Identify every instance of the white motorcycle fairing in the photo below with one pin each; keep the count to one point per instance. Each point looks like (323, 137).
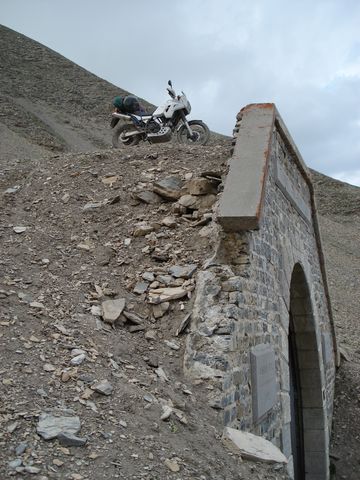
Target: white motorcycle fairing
(170, 106)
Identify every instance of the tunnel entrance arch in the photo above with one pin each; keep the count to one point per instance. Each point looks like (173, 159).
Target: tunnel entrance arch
(309, 437)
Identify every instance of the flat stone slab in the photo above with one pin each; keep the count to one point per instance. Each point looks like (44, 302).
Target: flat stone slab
(253, 447)
(50, 427)
(263, 379)
(160, 295)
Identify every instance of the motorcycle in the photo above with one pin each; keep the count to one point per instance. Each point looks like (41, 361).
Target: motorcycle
(168, 120)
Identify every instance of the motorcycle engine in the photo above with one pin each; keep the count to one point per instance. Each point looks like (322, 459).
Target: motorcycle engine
(152, 127)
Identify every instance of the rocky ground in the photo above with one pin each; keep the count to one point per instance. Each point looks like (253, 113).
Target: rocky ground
(80, 247)
(79, 244)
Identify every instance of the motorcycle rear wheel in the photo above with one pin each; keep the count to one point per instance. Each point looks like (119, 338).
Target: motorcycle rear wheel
(200, 130)
(119, 138)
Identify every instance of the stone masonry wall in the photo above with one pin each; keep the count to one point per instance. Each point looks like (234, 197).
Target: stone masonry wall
(243, 300)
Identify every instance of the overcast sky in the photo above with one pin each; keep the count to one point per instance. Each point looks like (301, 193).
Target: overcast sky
(302, 55)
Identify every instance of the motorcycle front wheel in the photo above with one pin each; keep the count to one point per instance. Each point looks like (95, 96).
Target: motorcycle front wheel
(119, 138)
(201, 133)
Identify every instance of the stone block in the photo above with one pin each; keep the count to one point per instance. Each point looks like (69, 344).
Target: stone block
(263, 379)
(310, 378)
(308, 359)
(306, 341)
(312, 397)
(316, 477)
(286, 440)
(292, 193)
(327, 348)
(284, 374)
(313, 418)
(290, 467)
(303, 323)
(237, 377)
(317, 463)
(284, 342)
(285, 407)
(314, 440)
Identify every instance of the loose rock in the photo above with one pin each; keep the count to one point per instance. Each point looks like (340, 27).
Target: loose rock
(141, 287)
(200, 186)
(169, 222)
(15, 463)
(160, 309)
(19, 229)
(169, 188)
(78, 359)
(70, 440)
(185, 271)
(161, 374)
(104, 387)
(132, 317)
(50, 426)
(148, 197)
(172, 345)
(160, 295)
(142, 229)
(112, 309)
(172, 465)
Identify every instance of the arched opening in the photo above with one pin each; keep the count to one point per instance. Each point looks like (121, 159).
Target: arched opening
(297, 429)
(309, 437)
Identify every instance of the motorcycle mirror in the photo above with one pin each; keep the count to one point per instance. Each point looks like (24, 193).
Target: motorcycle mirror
(169, 83)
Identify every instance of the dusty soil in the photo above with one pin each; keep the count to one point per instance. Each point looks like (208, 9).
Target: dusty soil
(64, 261)
(67, 261)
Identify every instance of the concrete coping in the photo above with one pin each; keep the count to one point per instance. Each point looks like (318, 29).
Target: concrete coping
(242, 201)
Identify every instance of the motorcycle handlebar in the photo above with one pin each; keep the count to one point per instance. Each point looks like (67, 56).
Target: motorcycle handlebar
(171, 92)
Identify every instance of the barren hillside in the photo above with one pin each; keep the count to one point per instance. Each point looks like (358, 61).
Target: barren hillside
(48, 103)
(77, 230)
(339, 215)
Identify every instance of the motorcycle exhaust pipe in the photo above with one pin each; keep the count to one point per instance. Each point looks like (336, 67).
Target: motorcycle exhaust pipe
(121, 115)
